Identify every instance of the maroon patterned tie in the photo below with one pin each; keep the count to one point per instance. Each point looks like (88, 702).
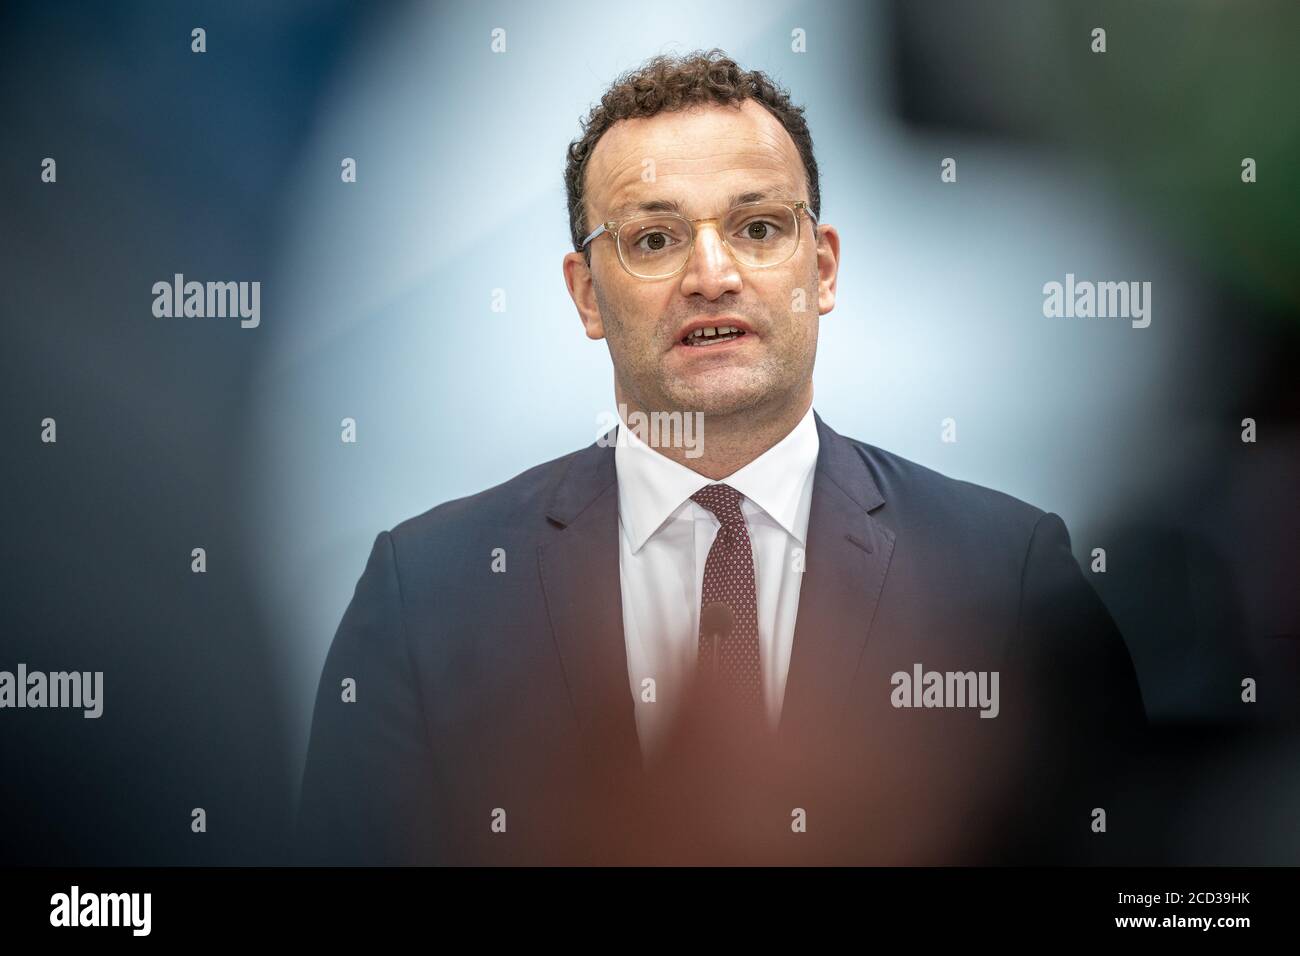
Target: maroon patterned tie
(729, 580)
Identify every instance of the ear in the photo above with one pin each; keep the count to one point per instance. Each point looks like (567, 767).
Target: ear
(577, 276)
(828, 267)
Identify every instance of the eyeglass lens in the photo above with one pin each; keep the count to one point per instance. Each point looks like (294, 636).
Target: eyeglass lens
(759, 235)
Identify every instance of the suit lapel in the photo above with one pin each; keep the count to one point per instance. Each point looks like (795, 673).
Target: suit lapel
(847, 555)
(580, 579)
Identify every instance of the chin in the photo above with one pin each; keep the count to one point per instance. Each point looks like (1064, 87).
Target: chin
(714, 400)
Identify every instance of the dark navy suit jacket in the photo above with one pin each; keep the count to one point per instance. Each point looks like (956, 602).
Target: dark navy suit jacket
(493, 719)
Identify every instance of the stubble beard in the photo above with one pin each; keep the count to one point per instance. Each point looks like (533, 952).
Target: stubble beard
(769, 384)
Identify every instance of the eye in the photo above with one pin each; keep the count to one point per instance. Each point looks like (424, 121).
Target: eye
(654, 241)
(760, 230)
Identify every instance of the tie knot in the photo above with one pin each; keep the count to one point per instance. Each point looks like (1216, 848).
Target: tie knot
(722, 500)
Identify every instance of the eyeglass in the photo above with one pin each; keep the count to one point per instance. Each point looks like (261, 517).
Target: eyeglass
(658, 245)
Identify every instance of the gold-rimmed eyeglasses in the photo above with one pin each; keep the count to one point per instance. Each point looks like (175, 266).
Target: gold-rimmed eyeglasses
(658, 245)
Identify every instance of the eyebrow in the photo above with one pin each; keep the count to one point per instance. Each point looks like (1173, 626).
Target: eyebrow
(672, 205)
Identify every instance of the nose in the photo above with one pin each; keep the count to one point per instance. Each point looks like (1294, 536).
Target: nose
(711, 270)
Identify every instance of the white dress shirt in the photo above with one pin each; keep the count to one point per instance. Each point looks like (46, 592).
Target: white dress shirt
(664, 541)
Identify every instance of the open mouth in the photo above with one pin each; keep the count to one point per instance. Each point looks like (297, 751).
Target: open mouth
(712, 335)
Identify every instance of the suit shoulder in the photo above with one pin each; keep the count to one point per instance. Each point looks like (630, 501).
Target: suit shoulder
(513, 503)
(922, 493)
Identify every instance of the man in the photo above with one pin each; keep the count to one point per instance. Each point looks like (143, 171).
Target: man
(773, 644)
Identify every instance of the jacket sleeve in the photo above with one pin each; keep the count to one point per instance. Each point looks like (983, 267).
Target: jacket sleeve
(1083, 709)
(368, 788)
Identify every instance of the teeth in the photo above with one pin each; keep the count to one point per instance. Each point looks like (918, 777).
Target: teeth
(711, 332)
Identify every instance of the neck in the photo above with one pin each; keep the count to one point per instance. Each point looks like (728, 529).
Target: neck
(723, 444)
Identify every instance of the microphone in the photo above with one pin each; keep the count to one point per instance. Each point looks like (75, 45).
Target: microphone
(716, 622)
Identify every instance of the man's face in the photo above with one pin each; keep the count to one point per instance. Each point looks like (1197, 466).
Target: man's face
(701, 159)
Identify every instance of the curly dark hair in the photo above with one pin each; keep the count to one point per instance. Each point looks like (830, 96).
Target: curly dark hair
(667, 83)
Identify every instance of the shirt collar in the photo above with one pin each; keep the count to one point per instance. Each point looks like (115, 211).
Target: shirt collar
(651, 486)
